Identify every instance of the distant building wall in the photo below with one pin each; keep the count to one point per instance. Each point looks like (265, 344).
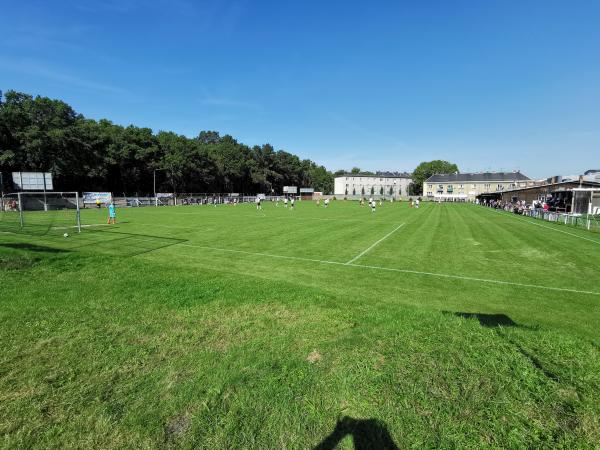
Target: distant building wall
(352, 185)
(467, 186)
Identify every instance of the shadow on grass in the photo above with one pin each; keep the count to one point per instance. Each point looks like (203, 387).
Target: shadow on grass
(34, 248)
(487, 320)
(366, 434)
(123, 244)
(502, 320)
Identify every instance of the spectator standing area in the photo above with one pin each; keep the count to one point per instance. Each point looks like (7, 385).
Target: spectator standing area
(447, 325)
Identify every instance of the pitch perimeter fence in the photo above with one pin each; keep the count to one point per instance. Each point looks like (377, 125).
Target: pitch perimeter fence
(590, 222)
(586, 221)
(188, 199)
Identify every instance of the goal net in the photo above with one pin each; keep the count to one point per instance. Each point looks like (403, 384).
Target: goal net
(586, 202)
(40, 212)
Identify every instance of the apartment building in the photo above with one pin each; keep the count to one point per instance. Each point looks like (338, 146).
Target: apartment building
(467, 186)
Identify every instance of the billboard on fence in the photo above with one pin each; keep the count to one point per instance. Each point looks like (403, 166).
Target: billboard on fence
(306, 190)
(33, 181)
(91, 197)
(164, 195)
(290, 189)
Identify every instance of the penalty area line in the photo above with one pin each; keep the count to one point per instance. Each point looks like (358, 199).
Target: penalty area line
(373, 245)
(390, 269)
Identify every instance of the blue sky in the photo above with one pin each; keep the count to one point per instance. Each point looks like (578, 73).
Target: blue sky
(381, 85)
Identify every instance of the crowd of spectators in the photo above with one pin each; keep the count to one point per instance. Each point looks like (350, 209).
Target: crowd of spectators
(518, 207)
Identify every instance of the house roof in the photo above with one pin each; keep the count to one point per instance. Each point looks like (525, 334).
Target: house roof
(377, 175)
(483, 176)
(559, 185)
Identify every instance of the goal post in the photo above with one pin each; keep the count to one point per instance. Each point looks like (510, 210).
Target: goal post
(41, 212)
(585, 207)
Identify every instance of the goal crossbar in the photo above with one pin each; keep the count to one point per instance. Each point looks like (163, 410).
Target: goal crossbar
(46, 201)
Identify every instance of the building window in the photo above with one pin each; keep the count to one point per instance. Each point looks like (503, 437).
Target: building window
(450, 188)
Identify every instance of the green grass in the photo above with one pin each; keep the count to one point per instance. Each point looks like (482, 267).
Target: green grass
(231, 328)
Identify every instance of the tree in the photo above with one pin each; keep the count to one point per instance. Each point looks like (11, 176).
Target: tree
(208, 137)
(42, 134)
(320, 179)
(427, 169)
(355, 171)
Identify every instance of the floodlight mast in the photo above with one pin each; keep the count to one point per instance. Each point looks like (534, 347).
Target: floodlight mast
(20, 210)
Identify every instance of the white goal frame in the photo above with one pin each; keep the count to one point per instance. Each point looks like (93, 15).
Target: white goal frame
(45, 194)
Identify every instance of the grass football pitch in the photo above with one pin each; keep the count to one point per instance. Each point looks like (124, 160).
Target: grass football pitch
(450, 325)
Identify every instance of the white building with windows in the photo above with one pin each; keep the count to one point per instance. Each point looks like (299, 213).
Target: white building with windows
(467, 186)
(382, 184)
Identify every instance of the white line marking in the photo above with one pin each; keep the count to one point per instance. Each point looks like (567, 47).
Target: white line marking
(82, 226)
(385, 237)
(295, 217)
(523, 219)
(389, 269)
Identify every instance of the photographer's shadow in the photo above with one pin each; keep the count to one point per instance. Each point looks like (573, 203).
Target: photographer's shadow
(366, 434)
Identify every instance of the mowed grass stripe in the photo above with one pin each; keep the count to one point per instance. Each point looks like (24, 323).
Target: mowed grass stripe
(368, 249)
(548, 255)
(547, 225)
(404, 271)
(467, 237)
(189, 347)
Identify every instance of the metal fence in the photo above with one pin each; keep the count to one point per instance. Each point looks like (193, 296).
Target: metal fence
(585, 221)
(196, 199)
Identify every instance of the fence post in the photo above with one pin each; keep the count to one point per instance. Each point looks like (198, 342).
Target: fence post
(20, 210)
(78, 213)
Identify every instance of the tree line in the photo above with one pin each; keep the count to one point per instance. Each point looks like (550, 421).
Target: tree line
(43, 134)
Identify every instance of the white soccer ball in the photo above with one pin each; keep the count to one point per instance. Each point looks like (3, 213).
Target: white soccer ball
(66, 235)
